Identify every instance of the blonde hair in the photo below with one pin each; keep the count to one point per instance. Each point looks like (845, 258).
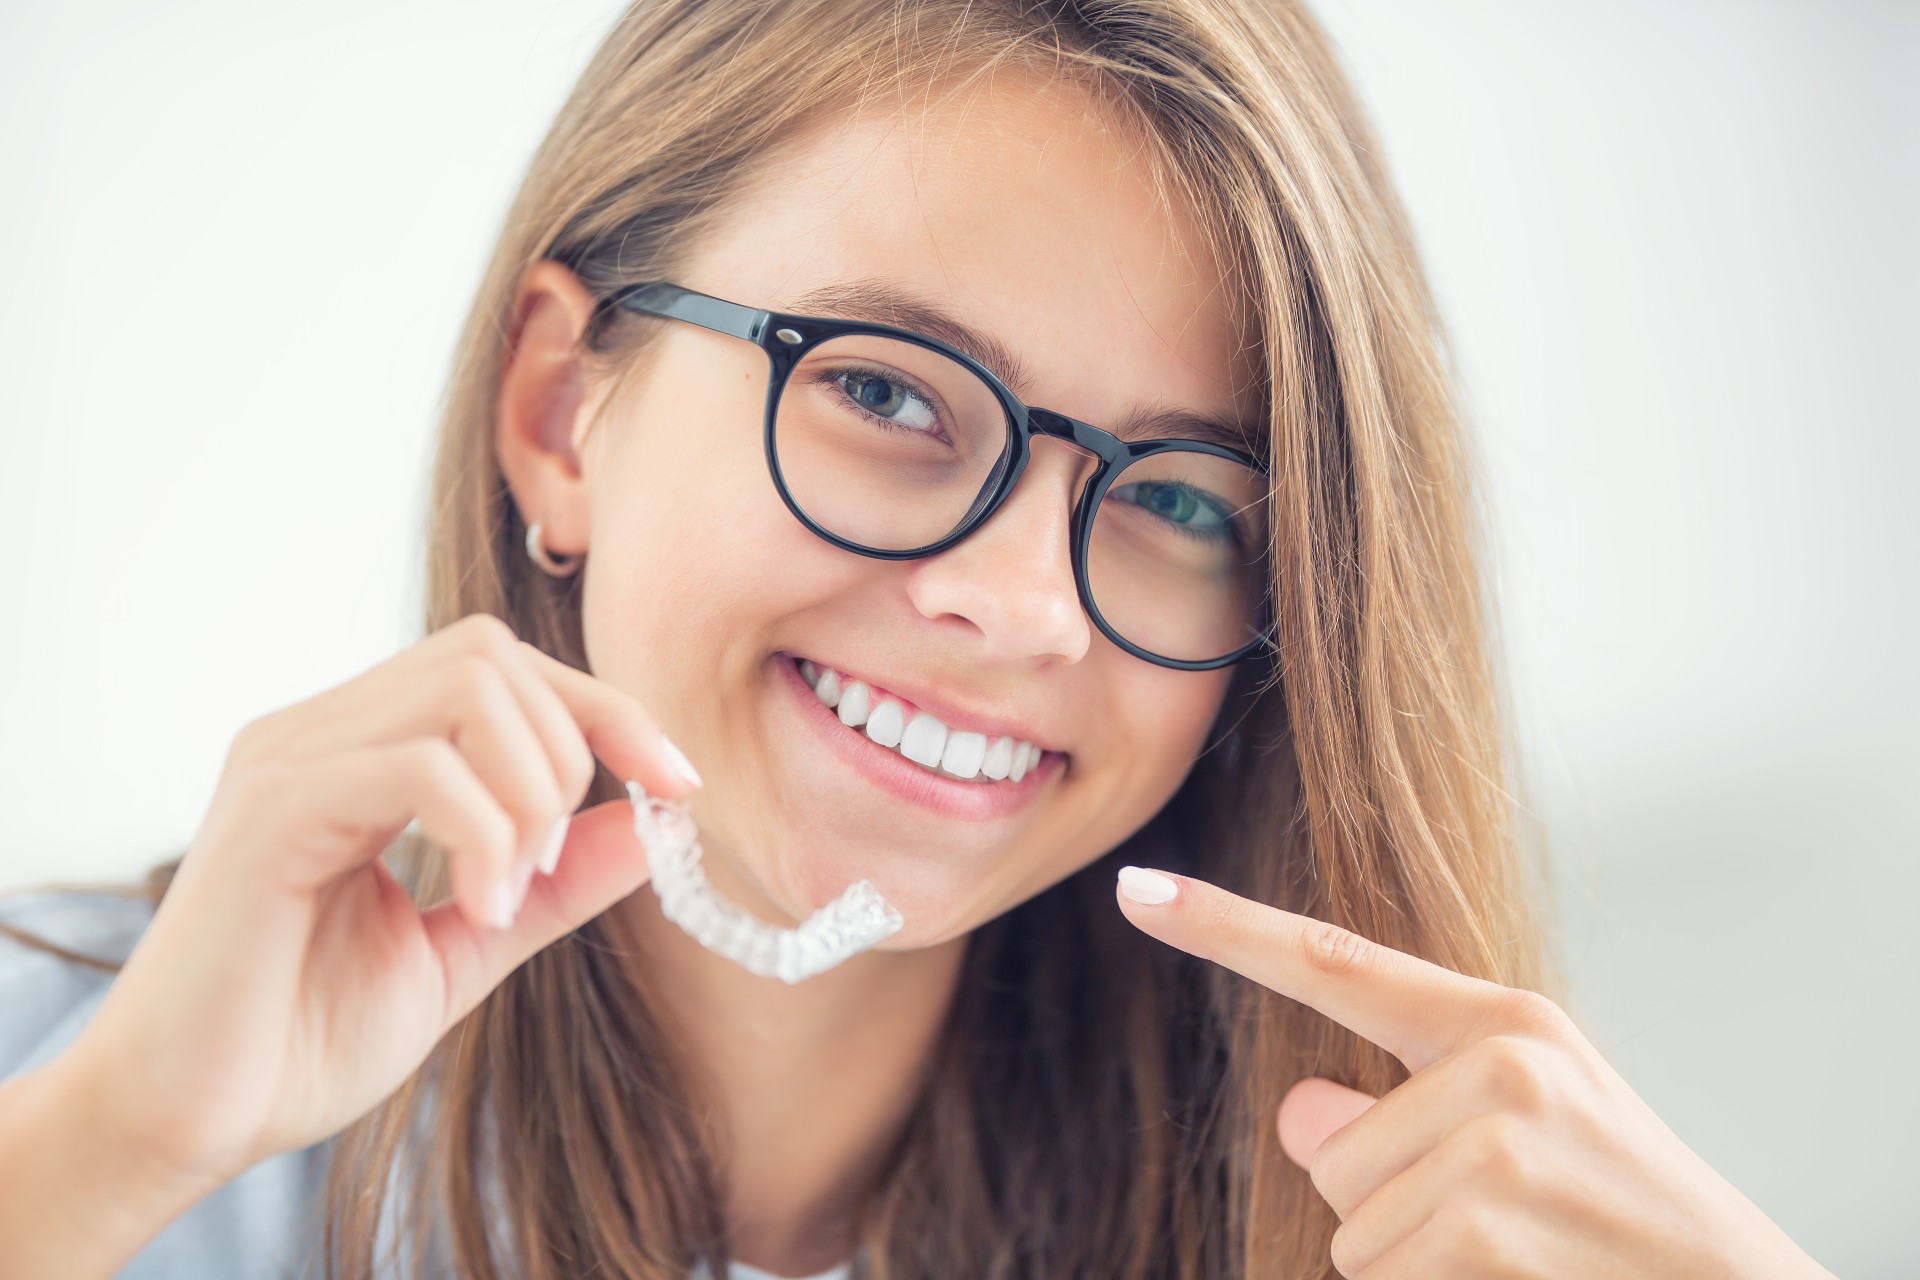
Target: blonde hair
(1101, 1105)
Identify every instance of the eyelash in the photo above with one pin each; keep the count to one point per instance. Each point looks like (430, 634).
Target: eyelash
(1229, 529)
(832, 378)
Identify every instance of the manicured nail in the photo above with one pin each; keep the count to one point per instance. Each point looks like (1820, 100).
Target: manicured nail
(1149, 888)
(500, 908)
(680, 761)
(522, 877)
(550, 851)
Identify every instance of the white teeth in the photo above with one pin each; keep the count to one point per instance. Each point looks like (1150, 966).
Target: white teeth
(924, 741)
(886, 722)
(964, 753)
(853, 704)
(1021, 760)
(998, 761)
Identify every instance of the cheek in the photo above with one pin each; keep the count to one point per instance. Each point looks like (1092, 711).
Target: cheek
(694, 474)
(1160, 726)
(1146, 749)
(692, 551)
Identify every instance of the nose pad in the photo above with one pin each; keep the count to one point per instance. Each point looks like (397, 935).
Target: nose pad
(1013, 575)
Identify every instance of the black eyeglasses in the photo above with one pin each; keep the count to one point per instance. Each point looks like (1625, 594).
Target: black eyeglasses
(896, 445)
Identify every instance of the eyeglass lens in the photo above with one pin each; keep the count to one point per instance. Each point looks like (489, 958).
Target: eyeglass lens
(891, 446)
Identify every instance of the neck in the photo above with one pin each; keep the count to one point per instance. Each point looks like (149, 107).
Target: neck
(815, 1081)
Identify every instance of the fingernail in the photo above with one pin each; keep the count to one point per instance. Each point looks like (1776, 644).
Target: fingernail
(522, 877)
(1148, 888)
(550, 851)
(680, 761)
(500, 906)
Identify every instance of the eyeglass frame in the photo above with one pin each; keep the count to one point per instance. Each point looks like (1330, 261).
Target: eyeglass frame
(786, 337)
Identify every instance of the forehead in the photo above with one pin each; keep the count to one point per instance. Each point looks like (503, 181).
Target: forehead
(1029, 212)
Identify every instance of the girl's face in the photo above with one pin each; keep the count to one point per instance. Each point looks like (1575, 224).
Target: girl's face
(1021, 211)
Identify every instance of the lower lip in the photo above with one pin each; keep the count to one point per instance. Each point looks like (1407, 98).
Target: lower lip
(888, 770)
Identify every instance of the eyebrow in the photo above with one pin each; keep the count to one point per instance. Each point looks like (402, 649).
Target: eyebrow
(879, 302)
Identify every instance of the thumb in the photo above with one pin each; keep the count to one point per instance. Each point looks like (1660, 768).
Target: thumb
(1313, 1111)
(601, 862)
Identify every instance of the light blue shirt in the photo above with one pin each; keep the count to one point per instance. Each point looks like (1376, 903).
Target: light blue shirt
(260, 1226)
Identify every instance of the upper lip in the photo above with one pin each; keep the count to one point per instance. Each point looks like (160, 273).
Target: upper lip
(975, 719)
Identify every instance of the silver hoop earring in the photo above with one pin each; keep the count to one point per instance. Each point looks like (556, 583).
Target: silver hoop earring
(558, 568)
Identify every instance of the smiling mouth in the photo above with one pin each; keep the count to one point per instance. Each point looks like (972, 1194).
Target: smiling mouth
(959, 755)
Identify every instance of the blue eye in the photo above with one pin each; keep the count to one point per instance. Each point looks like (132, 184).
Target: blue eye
(888, 399)
(1190, 510)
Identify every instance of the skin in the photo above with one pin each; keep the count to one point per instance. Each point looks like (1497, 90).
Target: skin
(1023, 209)
(1513, 1149)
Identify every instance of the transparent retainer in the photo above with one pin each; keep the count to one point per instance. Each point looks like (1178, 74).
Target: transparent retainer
(838, 931)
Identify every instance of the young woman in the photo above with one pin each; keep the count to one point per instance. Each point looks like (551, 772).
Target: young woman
(1006, 446)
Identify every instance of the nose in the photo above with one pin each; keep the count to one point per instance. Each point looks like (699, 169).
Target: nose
(1012, 577)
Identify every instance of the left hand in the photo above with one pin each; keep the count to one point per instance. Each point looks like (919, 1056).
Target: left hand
(1512, 1150)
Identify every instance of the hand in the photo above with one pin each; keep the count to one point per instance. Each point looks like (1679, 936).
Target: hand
(1512, 1150)
(287, 981)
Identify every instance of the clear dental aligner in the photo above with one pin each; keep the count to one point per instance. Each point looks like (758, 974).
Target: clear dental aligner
(840, 930)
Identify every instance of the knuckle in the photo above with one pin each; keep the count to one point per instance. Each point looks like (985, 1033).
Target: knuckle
(434, 764)
(497, 841)
(580, 769)
(1342, 1251)
(1467, 1234)
(1327, 1168)
(1529, 1011)
(250, 731)
(575, 767)
(486, 632)
(256, 781)
(1519, 1072)
(550, 800)
(250, 742)
(250, 804)
(1493, 1149)
(1324, 1174)
(476, 679)
(1338, 952)
(498, 643)
(1538, 1011)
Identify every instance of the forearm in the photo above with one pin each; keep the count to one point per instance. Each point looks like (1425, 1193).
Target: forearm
(73, 1201)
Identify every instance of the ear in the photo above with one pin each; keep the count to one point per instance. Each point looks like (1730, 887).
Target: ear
(544, 404)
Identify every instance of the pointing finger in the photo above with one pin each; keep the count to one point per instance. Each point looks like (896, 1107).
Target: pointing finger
(1416, 1010)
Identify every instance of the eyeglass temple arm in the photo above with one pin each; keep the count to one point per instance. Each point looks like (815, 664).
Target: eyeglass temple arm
(657, 297)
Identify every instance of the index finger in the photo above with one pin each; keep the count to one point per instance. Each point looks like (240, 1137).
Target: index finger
(618, 729)
(1414, 1009)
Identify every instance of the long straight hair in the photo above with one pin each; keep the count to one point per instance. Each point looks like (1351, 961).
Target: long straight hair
(1100, 1105)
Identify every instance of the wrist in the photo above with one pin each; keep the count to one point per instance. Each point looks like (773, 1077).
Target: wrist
(77, 1197)
(1764, 1249)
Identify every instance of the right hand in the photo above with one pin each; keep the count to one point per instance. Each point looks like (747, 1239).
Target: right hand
(287, 982)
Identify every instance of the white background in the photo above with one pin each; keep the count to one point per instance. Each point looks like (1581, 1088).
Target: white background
(1675, 242)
